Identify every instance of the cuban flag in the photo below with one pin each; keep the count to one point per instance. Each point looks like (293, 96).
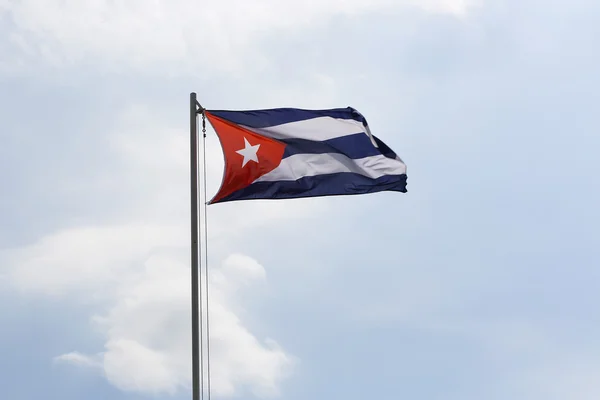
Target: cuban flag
(286, 153)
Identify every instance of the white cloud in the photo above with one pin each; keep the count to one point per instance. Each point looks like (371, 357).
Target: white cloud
(148, 341)
(148, 345)
(173, 36)
(79, 258)
(79, 359)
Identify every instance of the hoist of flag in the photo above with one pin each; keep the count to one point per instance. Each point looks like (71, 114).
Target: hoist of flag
(285, 153)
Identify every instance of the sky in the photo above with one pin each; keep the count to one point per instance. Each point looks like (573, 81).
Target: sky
(481, 282)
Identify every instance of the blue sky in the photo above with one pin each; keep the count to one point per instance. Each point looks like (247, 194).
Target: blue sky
(480, 282)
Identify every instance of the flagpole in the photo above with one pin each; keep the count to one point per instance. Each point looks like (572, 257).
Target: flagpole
(195, 249)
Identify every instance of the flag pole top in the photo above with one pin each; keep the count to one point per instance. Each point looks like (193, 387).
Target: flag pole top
(199, 108)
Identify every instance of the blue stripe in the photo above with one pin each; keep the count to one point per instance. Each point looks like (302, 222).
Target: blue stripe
(346, 183)
(353, 146)
(277, 116)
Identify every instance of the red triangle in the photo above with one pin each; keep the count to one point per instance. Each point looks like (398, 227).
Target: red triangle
(259, 160)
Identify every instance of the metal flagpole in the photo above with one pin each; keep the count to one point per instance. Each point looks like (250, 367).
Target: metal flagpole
(197, 374)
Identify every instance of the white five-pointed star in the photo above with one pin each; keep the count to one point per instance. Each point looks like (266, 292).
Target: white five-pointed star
(249, 152)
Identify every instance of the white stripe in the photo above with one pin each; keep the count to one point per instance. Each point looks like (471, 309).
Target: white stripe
(301, 165)
(320, 128)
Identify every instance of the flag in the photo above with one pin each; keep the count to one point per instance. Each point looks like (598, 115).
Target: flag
(285, 153)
